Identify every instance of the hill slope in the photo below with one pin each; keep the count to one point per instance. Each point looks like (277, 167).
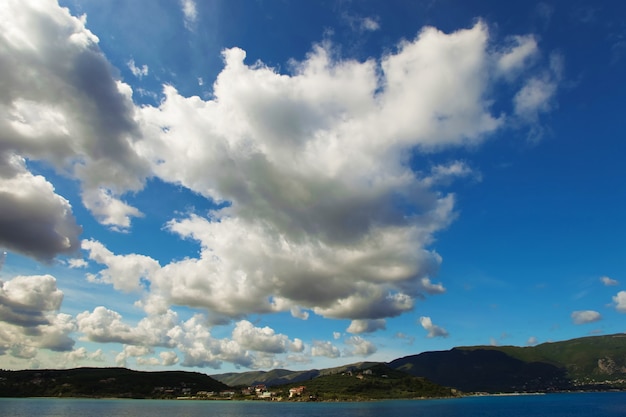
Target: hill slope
(597, 362)
(104, 382)
(371, 382)
(283, 376)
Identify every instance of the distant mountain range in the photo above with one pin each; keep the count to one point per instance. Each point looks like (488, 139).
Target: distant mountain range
(589, 363)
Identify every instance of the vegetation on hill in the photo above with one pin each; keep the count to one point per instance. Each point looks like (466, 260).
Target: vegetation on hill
(592, 360)
(104, 382)
(373, 383)
(269, 378)
(283, 376)
(589, 363)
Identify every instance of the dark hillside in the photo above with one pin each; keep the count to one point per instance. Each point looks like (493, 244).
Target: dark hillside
(104, 382)
(483, 370)
(372, 383)
(590, 363)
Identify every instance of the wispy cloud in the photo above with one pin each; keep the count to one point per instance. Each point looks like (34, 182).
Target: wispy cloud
(190, 13)
(609, 282)
(138, 72)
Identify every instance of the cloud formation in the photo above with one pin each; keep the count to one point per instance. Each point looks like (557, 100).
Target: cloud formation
(433, 329)
(325, 348)
(585, 316)
(609, 282)
(68, 110)
(29, 318)
(366, 326)
(34, 220)
(323, 212)
(620, 301)
(190, 13)
(318, 206)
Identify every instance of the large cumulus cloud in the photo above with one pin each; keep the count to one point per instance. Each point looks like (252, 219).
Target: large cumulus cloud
(60, 103)
(29, 317)
(323, 208)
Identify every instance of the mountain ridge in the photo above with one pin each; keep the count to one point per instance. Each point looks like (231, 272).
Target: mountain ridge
(586, 363)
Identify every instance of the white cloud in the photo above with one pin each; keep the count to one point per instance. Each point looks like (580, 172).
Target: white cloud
(23, 351)
(537, 96)
(586, 316)
(534, 97)
(325, 348)
(25, 300)
(151, 361)
(362, 24)
(200, 349)
(264, 339)
(369, 24)
(106, 326)
(138, 72)
(82, 354)
(402, 336)
(620, 301)
(77, 263)
(444, 174)
(56, 335)
(109, 210)
(168, 358)
(34, 220)
(433, 329)
(609, 281)
(29, 320)
(299, 313)
(130, 351)
(520, 51)
(67, 109)
(311, 166)
(532, 341)
(190, 13)
(366, 326)
(360, 346)
(124, 272)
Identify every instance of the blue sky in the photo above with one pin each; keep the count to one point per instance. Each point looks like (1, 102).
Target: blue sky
(235, 185)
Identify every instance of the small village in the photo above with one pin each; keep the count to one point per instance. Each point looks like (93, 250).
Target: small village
(265, 393)
(255, 392)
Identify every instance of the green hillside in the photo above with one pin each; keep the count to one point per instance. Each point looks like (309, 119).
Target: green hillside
(592, 359)
(269, 378)
(590, 363)
(104, 382)
(370, 383)
(282, 376)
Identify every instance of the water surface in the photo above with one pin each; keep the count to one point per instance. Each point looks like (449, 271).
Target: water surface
(610, 404)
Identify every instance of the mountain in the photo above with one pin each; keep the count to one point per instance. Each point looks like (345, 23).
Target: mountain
(104, 382)
(588, 363)
(269, 378)
(283, 376)
(362, 382)
(597, 362)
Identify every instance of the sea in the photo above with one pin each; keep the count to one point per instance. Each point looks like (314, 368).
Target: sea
(605, 404)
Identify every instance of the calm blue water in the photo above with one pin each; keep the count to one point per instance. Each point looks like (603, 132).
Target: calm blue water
(554, 405)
